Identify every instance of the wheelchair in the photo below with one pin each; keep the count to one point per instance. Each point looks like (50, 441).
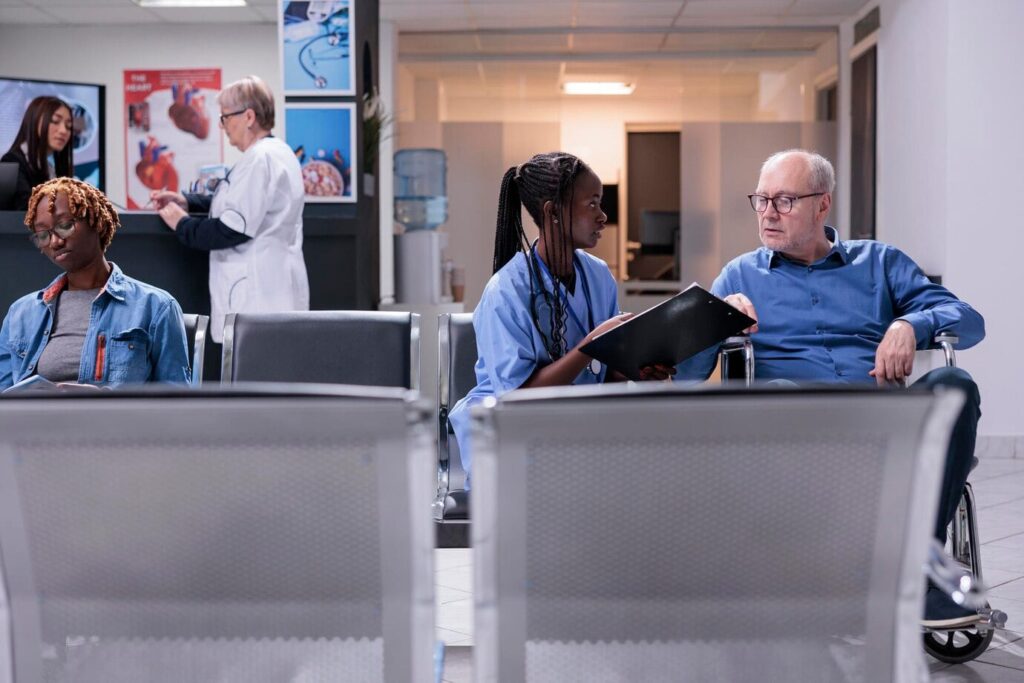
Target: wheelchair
(955, 645)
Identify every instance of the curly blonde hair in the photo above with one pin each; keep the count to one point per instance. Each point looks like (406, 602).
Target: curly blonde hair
(84, 202)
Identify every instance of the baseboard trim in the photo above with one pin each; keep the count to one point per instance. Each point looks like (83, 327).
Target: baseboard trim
(1000, 446)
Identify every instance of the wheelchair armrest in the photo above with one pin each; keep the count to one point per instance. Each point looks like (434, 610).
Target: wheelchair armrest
(946, 342)
(737, 343)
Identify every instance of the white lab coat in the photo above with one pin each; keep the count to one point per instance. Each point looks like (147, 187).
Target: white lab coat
(262, 197)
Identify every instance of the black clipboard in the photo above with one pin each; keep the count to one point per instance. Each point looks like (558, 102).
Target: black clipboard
(669, 332)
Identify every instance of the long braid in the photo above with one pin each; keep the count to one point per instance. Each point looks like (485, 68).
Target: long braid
(545, 177)
(509, 238)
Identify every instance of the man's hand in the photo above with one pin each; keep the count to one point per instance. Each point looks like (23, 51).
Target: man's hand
(894, 359)
(741, 302)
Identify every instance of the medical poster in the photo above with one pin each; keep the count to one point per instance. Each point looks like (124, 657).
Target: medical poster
(323, 137)
(171, 129)
(317, 53)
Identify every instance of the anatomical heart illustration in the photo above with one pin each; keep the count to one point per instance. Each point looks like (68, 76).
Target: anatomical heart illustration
(170, 130)
(188, 111)
(156, 166)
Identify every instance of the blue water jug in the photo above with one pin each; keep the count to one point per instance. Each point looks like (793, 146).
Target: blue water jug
(421, 194)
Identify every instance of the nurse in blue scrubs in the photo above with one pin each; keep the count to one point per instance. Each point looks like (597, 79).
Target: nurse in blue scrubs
(548, 298)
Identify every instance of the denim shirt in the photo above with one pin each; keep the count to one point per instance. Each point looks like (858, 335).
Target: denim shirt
(136, 334)
(823, 321)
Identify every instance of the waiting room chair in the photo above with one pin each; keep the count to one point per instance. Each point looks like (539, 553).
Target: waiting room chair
(196, 327)
(652, 533)
(456, 376)
(952, 646)
(223, 535)
(373, 348)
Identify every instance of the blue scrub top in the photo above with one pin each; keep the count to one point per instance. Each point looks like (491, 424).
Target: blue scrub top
(509, 346)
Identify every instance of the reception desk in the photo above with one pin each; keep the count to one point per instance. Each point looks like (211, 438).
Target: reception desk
(340, 252)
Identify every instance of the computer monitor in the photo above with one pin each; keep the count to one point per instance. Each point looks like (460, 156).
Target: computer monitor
(8, 184)
(659, 231)
(87, 102)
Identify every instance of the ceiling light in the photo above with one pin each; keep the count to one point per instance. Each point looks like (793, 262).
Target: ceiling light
(190, 3)
(597, 88)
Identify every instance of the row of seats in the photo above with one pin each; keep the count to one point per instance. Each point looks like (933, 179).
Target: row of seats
(235, 534)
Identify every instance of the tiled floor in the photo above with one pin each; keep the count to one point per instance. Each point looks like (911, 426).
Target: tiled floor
(999, 491)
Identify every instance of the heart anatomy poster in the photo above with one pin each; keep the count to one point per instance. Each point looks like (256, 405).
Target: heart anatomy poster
(171, 129)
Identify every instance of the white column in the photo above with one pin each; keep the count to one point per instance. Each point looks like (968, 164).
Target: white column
(388, 64)
(949, 148)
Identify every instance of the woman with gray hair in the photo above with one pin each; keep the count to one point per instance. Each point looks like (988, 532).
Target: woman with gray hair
(254, 226)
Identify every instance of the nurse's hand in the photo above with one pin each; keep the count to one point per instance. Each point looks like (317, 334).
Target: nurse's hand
(161, 198)
(609, 324)
(172, 214)
(657, 372)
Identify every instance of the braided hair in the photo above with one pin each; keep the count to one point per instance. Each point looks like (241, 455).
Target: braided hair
(84, 202)
(545, 177)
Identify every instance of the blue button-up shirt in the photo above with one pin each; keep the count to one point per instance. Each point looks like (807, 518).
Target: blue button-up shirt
(136, 334)
(823, 322)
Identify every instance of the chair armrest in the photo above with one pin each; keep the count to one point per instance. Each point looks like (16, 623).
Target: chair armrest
(946, 342)
(737, 343)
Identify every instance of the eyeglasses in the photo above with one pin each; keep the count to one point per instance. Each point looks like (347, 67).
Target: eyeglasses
(782, 203)
(225, 117)
(42, 238)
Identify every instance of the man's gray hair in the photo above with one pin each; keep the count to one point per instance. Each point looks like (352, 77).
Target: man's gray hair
(823, 176)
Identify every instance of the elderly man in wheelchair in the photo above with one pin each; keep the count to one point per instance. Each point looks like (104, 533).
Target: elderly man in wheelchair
(838, 311)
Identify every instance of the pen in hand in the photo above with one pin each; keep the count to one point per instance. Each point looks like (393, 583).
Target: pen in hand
(152, 198)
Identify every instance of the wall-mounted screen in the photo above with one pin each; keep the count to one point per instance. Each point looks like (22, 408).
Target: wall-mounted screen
(87, 101)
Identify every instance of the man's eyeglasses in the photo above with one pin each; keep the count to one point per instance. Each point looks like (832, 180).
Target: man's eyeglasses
(42, 238)
(782, 203)
(225, 117)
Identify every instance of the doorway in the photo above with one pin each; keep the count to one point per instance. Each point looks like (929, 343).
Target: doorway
(652, 198)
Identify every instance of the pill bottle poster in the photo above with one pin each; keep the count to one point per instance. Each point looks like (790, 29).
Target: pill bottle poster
(316, 47)
(170, 130)
(323, 137)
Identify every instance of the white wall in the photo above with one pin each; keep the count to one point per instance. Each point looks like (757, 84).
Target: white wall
(478, 155)
(100, 54)
(594, 128)
(949, 148)
(719, 166)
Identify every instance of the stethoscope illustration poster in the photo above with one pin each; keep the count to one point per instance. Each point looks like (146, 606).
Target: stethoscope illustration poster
(316, 39)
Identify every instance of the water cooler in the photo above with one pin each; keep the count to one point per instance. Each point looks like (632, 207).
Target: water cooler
(421, 204)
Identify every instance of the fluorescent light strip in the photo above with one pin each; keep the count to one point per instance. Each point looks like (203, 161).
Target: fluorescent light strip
(597, 88)
(190, 3)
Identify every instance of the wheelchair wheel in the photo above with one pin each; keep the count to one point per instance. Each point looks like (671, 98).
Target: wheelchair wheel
(957, 646)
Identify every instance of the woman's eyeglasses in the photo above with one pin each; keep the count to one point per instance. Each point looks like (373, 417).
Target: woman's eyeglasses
(224, 117)
(42, 238)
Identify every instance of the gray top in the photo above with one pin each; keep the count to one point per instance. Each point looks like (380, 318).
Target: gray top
(62, 355)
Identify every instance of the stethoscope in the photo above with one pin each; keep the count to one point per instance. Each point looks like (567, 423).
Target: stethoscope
(594, 367)
(334, 39)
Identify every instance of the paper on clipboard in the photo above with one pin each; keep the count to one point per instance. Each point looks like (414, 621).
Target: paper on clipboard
(669, 332)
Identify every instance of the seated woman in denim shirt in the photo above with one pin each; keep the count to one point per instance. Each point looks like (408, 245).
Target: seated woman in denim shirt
(93, 324)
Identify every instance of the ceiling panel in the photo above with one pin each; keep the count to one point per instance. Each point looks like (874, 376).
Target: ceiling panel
(709, 41)
(537, 42)
(837, 8)
(437, 43)
(219, 15)
(617, 42)
(24, 15)
(734, 8)
(793, 40)
(105, 15)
